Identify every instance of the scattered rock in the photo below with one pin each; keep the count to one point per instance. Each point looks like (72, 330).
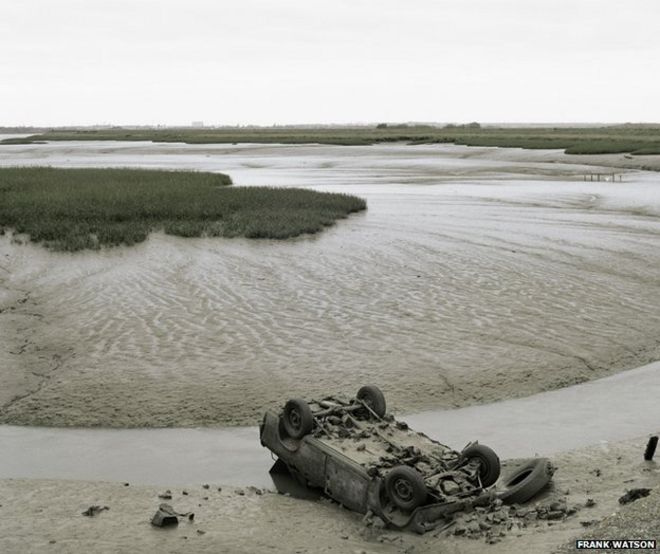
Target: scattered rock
(460, 530)
(589, 522)
(165, 516)
(205, 487)
(634, 494)
(184, 493)
(200, 532)
(167, 495)
(558, 506)
(450, 487)
(590, 503)
(240, 492)
(94, 510)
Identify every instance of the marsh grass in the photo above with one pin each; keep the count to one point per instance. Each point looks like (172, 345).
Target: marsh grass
(76, 209)
(635, 139)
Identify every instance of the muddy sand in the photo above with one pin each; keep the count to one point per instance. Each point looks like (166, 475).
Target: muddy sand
(477, 274)
(474, 276)
(46, 515)
(473, 281)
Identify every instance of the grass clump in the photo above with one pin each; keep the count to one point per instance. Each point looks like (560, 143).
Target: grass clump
(76, 209)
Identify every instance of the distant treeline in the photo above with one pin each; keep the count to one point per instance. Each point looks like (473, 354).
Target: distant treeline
(633, 139)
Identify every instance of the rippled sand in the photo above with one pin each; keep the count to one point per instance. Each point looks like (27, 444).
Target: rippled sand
(451, 289)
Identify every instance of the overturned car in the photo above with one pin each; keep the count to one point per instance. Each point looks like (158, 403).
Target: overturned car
(363, 458)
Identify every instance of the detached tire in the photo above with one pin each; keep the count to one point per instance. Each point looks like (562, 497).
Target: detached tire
(406, 488)
(297, 418)
(489, 463)
(526, 481)
(373, 397)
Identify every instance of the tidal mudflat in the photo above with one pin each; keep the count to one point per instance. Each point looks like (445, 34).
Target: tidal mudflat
(475, 275)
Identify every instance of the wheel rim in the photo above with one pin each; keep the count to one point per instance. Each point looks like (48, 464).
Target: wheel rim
(295, 419)
(482, 465)
(403, 490)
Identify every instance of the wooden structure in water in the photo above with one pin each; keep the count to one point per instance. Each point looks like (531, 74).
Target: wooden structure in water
(611, 177)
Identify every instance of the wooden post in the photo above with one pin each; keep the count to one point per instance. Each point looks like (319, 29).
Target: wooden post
(650, 448)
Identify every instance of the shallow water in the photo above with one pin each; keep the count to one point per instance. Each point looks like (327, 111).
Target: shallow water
(469, 279)
(609, 409)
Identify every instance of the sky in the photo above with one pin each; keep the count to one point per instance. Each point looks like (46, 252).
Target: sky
(264, 62)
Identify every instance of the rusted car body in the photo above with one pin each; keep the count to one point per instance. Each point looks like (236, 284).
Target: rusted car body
(369, 462)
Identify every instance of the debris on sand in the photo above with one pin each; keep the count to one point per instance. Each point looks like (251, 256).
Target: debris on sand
(496, 520)
(490, 523)
(634, 494)
(167, 495)
(166, 516)
(589, 522)
(94, 510)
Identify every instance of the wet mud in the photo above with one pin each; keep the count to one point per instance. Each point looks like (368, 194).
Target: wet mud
(469, 280)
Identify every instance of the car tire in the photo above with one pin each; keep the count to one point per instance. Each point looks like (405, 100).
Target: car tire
(405, 487)
(526, 481)
(297, 418)
(373, 397)
(489, 463)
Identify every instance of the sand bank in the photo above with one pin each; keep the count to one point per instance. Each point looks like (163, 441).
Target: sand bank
(45, 515)
(450, 291)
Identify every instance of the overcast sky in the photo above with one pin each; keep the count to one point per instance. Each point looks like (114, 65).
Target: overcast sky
(308, 61)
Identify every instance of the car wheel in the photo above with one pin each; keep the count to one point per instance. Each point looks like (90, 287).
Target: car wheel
(297, 418)
(405, 487)
(373, 397)
(526, 481)
(489, 463)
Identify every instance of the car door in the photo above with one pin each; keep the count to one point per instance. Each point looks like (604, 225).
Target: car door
(346, 482)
